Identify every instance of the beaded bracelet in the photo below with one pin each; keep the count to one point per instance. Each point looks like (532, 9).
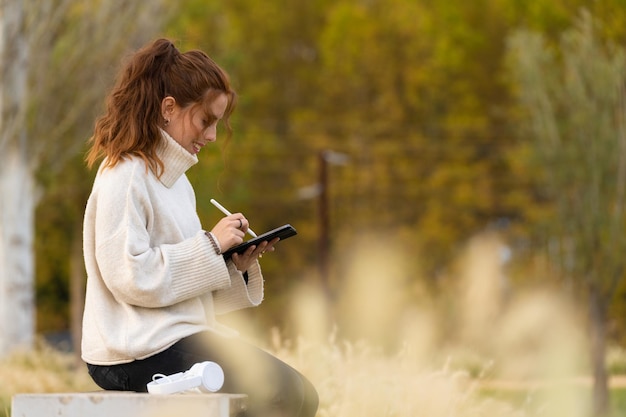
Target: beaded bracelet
(214, 243)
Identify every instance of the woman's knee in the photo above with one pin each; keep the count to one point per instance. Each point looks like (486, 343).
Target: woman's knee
(299, 394)
(309, 398)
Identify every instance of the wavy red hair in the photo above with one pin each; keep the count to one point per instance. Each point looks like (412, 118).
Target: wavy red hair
(130, 124)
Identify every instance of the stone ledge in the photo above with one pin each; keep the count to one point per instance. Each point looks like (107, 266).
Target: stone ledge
(127, 404)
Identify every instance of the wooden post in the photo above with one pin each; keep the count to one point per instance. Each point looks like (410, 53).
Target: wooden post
(324, 221)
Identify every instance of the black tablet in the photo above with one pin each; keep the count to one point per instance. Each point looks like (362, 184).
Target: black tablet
(283, 232)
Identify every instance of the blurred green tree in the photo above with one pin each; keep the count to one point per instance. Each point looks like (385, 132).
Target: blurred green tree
(574, 98)
(413, 92)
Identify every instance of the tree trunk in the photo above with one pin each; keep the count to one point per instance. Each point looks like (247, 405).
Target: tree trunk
(17, 306)
(17, 199)
(597, 313)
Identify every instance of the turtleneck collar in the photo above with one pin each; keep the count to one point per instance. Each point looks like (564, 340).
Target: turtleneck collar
(176, 160)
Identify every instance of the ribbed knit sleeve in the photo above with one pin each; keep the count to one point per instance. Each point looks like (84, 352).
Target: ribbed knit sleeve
(200, 270)
(145, 259)
(239, 294)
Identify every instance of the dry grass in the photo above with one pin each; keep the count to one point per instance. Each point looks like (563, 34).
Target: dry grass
(41, 370)
(412, 355)
(407, 355)
(353, 379)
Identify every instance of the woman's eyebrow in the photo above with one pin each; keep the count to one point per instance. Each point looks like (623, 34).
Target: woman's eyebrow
(209, 114)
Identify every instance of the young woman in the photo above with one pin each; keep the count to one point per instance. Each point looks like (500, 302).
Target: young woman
(156, 278)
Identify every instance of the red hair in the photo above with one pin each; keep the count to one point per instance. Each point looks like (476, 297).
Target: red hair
(130, 124)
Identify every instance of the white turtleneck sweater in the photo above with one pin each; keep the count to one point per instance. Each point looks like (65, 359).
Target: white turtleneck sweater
(152, 275)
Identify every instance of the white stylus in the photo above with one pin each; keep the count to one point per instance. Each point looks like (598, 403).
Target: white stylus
(228, 213)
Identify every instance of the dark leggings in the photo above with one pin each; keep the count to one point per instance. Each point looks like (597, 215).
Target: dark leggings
(273, 387)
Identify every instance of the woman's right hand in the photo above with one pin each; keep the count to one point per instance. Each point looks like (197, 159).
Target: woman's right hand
(230, 230)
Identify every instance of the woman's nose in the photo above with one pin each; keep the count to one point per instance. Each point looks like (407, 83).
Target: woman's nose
(210, 134)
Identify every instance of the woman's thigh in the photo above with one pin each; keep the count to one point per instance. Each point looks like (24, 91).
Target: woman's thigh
(268, 382)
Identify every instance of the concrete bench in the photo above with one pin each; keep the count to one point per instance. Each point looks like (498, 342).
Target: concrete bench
(127, 404)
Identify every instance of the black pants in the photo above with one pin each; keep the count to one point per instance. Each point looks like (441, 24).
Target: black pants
(273, 387)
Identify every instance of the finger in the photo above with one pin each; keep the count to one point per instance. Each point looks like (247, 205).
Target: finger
(241, 261)
(232, 219)
(240, 222)
(254, 252)
(270, 245)
(238, 262)
(264, 247)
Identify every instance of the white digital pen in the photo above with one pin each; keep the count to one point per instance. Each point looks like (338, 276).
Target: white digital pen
(228, 213)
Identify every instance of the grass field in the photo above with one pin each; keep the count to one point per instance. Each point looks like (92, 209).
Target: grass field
(523, 399)
(474, 352)
(354, 380)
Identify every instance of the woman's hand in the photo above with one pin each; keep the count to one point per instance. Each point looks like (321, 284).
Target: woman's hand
(244, 261)
(230, 230)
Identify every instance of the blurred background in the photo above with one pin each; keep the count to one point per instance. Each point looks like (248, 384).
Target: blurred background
(437, 158)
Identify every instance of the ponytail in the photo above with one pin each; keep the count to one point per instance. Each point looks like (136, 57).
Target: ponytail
(130, 124)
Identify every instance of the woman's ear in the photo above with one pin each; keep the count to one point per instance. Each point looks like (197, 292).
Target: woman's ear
(167, 107)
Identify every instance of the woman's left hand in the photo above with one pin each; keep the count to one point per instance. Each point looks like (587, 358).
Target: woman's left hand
(245, 260)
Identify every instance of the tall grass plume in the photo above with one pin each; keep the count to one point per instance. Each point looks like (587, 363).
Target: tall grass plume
(386, 346)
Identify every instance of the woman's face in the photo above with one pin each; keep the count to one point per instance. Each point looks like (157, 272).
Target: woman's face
(192, 127)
